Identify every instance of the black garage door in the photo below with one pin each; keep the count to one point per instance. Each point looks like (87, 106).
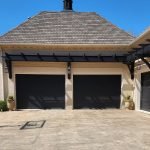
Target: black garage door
(145, 92)
(40, 91)
(97, 91)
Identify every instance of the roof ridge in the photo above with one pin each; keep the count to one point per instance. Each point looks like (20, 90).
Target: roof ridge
(66, 12)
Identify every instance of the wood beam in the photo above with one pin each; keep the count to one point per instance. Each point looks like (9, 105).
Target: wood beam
(67, 58)
(86, 58)
(142, 52)
(55, 57)
(40, 57)
(100, 58)
(144, 45)
(148, 40)
(136, 49)
(115, 58)
(23, 56)
(70, 57)
(146, 62)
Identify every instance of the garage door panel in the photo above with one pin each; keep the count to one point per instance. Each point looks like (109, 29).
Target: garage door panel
(97, 91)
(145, 91)
(34, 102)
(40, 91)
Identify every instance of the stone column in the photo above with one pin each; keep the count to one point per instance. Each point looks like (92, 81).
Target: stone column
(69, 94)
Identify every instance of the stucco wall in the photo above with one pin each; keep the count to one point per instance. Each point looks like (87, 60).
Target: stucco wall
(77, 68)
(1, 78)
(137, 84)
(107, 69)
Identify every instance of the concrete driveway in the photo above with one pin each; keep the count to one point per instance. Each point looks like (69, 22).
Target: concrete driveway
(75, 130)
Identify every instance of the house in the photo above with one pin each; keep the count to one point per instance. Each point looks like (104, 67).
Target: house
(74, 60)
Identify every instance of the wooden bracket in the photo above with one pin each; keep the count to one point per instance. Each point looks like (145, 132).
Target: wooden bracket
(69, 70)
(131, 69)
(9, 66)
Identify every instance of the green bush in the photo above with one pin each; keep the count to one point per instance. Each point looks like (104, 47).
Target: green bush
(3, 105)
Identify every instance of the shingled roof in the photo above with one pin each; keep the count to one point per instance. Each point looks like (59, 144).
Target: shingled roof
(66, 28)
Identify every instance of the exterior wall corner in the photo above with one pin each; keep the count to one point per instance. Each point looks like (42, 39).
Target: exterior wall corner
(1, 77)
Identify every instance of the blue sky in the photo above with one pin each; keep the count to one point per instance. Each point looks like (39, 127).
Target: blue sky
(131, 15)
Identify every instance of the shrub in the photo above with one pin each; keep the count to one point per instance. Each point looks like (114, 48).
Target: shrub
(3, 105)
